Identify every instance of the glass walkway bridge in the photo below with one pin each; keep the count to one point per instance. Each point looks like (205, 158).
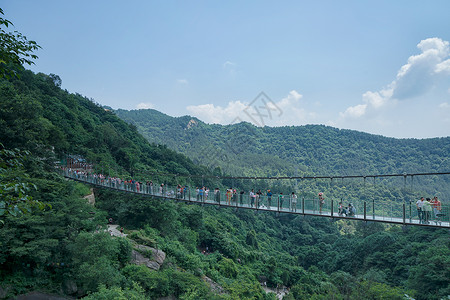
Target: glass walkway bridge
(395, 213)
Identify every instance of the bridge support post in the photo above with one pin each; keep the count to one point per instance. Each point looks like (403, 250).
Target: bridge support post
(303, 205)
(404, 214)
(373, 209)
(365, 210)
(410, 212)
(332, 207)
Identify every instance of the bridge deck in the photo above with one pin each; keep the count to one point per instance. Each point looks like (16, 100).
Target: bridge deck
(403, 214)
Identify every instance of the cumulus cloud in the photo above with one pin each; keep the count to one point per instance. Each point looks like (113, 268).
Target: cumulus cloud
(293, 110)
(261, 111)
(146, 105)
(422, 70)
(443, 67)
(217, 114)
(418, 76)
(372, 101)
(355, 111)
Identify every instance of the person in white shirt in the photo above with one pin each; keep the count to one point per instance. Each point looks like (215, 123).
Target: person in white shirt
(419, 205)
(252, 197)
(293, 202)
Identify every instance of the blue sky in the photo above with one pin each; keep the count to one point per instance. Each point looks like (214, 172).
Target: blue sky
(381, 67)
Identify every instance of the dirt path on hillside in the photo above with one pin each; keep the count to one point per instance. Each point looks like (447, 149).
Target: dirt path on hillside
(114, 230)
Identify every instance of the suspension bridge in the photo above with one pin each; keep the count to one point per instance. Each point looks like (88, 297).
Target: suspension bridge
(404, 213)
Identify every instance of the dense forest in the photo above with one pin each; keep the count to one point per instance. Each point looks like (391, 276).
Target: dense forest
(61, 244)
(291, 150)
(312, 150)
(55, 240)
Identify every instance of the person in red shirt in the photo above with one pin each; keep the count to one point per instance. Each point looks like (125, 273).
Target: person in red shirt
(436, 206)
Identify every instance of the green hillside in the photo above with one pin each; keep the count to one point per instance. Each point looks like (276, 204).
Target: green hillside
(312, 150)
(60, 245)
(54, 236)
(37, 115)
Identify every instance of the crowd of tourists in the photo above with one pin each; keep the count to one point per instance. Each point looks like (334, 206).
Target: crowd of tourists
(428, 208)
(256, 199)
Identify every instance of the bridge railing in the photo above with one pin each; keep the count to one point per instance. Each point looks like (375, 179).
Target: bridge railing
(394, 212)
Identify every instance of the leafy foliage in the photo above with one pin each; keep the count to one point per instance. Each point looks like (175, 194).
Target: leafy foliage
(15, 49)
(311, 150)
(212, 253)
(14, 185)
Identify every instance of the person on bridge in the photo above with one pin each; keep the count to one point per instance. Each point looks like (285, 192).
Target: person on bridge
(217, 195)
(351, 210)
(321, 202)
(179, 191)
(426, 211)
(206, 192)
(201, 191)
(280, 201)
(341, 210)
(151, 187)
(258, 198)
(252, 198)
(235, 196)
(229, 194)
(419, 205)
(436, 207)
(293, 201)
(269, 199)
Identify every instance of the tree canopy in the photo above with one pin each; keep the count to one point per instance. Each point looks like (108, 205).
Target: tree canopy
(15, 49)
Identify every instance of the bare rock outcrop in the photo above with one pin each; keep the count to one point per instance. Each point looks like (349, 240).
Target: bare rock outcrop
(90, 198)
(151, 257)
(214, 286)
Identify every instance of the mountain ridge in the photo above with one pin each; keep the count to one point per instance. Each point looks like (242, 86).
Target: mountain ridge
(294, 144)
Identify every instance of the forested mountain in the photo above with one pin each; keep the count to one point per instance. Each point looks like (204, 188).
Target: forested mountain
(312, 150)
(53, 240)
(37, 115)
(290, 150)
(212, 253)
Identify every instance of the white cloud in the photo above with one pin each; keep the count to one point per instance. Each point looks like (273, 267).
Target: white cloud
(293, 112)
(143, 105)
(401, 108)
(229, 65)
(217, 114)
(287, 111)
(419, 75)
(355, 111)
(444, 105)
(182, 81)
(422, 71)
(443, 67)
(373, 101)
